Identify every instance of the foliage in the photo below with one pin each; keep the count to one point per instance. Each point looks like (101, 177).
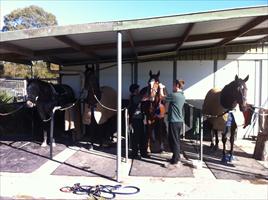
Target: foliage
(25, 18)
(5, 98)
(29, 17)
(39, 69)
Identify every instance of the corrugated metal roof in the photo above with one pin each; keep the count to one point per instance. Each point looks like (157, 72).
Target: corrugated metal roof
(169, 35)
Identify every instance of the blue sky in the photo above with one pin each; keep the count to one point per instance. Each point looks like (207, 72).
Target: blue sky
(86, 11)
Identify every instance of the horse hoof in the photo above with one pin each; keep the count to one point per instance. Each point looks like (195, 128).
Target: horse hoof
(44, 144)
(230, 158)
(224, 160)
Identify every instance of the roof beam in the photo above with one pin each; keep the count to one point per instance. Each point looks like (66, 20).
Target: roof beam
(16, 49)
(184, 36)
(76, 46)
(243, 30)
(191, 38)
(131, 41)
(264, 39)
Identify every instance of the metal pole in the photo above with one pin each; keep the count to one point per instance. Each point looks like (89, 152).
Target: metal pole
(126, 134)
(51, 134)
(52, 130)
(119, 104)
(201, 140)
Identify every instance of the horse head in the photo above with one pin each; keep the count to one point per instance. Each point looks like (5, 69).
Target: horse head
(153, 85)
(92, 86)
(33, 92)
(235, 93)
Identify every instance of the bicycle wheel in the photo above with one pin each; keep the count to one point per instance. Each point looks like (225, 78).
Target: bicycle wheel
(98, 191)
(82, 190)
(67, 189)
(119, 189)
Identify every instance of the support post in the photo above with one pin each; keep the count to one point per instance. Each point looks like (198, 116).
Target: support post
(126, 134)
(52, 130)
(201, 140)
(119, 103)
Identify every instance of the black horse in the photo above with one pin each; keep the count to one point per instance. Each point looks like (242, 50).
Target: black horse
(45, 96)
(216, 106)
(153, 109)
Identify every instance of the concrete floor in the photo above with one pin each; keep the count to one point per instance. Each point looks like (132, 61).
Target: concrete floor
(41, 183)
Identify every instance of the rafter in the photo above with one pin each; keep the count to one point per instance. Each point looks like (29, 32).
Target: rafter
(16, 49)
(184, 36)
(76, 46)
(243, 30)
(264, 39)
(131, 41)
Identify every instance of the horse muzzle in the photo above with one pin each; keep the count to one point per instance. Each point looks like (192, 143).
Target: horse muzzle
(30, 104)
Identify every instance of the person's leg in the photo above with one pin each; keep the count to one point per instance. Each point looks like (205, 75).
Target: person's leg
(135, 138)
(143, 140)
(174, 130)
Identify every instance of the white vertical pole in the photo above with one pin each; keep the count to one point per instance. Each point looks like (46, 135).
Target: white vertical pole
(119, 104)
(126, 134)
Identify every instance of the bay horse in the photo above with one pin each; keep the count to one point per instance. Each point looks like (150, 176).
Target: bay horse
(216, 106)
(45, 96)
(101, 106)
(154, 110)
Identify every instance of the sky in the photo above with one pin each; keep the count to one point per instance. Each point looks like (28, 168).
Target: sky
(86, 11)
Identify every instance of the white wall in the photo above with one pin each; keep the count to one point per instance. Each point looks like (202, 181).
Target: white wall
(198, 77)
(264, 92)
(108, 77)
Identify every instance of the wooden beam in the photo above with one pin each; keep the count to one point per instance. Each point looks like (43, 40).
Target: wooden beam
(15, 58)
(144, 43)
(51, 52)
(76, 46)
(243, 30)
(131, 41)
(16, 49)
(264, 39)
(184, 36)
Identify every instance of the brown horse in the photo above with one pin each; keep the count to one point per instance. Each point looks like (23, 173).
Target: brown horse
(217, 104)
(154, 110)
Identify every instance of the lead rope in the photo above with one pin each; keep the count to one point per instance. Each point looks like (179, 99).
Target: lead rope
(12, 112)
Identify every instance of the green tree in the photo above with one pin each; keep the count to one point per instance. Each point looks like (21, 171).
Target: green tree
(25, 18)
(29, 17)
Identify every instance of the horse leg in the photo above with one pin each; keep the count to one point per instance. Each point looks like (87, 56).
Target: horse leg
(161, 134)
(233, 132)
(216, 145)
(44, 143)
(212, 139)
(224, 139)
(149, 136)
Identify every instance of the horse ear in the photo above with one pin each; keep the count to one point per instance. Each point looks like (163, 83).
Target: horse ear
(245, 80)
(236, 77)
(150, 73)
(158, 73)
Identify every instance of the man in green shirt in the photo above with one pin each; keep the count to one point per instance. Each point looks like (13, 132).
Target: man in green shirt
(176, 101)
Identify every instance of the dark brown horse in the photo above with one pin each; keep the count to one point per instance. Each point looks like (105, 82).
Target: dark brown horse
(154, 110)
(216, 106)
(101, 109)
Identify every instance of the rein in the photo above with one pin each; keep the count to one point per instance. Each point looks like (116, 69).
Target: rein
(102, 105)
(14, 111)
(106, 107)
(216, 116)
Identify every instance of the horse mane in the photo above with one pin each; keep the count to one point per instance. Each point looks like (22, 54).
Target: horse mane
(227, 98)
(92, 86)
